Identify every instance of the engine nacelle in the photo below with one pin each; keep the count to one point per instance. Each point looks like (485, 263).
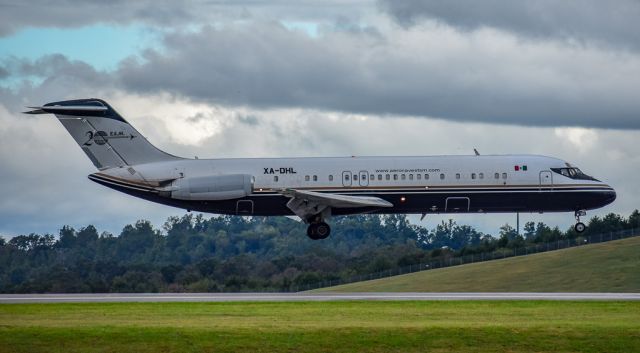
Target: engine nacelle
(212, 187)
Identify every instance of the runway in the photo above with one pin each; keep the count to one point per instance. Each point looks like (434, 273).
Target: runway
(297, 297)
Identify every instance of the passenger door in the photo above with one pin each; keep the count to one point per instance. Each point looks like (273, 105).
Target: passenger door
(346, 178)
(546, 179)
(364, 178)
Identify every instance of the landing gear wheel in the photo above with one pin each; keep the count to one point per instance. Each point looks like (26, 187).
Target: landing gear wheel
(580, 227)
(317, 231)
(323, 230)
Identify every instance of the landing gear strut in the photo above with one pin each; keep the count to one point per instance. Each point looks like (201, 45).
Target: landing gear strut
(580, 227)
(318, 230)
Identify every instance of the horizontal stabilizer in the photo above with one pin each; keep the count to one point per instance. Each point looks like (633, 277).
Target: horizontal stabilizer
(65, 109)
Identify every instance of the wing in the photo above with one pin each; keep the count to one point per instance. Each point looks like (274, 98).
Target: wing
(309, 203)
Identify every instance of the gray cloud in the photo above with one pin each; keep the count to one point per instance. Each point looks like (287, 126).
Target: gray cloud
(44, 171)
(588, 21)
(57, 78)
(75, 13)
(270, 92)
(165, 14)
(52, 66)
(488, 77)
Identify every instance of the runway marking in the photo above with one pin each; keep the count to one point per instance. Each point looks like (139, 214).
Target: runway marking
(289, 297)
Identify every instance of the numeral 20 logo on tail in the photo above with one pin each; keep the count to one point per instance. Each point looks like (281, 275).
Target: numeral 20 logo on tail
(101, 137)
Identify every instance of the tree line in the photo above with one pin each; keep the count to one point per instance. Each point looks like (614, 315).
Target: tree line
(227, 253)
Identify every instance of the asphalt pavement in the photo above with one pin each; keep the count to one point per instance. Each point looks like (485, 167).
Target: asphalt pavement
(296, 297)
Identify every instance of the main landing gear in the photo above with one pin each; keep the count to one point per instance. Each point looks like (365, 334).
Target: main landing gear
(580, 227)
(318, 228)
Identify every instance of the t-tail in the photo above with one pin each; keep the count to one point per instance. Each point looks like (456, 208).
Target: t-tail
(107, 139)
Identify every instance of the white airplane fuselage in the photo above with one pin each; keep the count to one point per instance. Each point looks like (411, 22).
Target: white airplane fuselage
(431, 184)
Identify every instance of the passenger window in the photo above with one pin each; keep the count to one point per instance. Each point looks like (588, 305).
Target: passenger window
(442, 176)
(426, 177)
(275, 178)
(364, 177)
(473, 175)
(315, 178)
(330, 177)
(355, 177)
(497, 175)
(372, 177)
(306, 178)
(403, 177)
(379, 176)
(504, 175)
(481, 175)
(457, 175)
(346, 177)
(388, 177)
(395, 177)
(410, 176)
(418, 176)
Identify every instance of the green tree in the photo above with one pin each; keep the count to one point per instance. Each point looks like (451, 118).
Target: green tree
(634, 220)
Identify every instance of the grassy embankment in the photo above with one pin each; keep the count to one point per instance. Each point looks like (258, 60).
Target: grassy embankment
(606, 267)
(467, 326)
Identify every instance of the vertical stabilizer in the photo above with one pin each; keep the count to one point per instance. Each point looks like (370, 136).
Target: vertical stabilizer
(104, 136)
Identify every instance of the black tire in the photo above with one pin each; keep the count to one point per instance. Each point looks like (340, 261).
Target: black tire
(323, 230)
(579, 227)
(317, 231)
(312, 231)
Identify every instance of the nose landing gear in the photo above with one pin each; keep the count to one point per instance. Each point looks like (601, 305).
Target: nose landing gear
(580, 227)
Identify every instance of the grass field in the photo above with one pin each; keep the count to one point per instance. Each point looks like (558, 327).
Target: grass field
(467, 326)
(607, 267)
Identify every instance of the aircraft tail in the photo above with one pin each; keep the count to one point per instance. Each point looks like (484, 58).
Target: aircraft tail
(104, 136)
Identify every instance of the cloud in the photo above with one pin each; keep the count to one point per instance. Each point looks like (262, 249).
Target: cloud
(429, 71)
(252, 85)
(47, 79)
(165, 14)
(45, 171)
(582, 139)
(588, 21)
(73, 13)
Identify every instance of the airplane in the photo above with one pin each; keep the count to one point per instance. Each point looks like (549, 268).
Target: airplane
(314, 189)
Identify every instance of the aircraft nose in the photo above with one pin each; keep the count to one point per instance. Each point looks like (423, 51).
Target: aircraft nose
(608, 196)
(612, 195)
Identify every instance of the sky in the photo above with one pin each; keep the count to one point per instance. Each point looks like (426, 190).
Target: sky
(284, 78)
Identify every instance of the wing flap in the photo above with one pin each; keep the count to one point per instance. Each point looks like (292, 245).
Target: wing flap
(338, 200)
(306, 204)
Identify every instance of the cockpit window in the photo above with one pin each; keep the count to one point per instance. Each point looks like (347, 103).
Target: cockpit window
(573, 173)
